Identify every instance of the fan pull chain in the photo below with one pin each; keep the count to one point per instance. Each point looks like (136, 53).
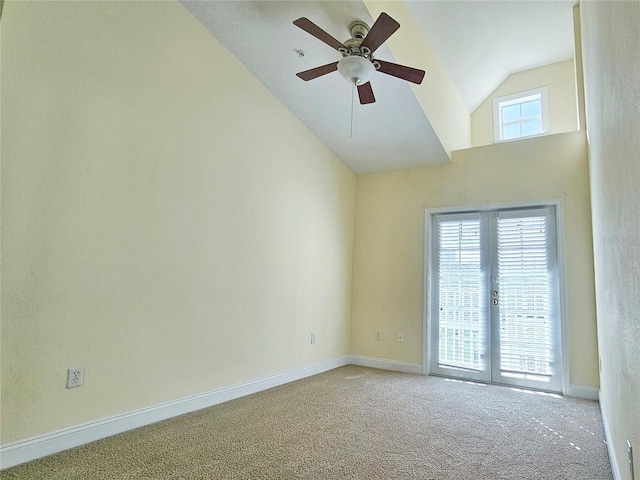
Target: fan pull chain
(352, 94)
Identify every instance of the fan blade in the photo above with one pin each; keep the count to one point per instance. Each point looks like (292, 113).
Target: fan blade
(406, 73)
(365, 92)
(318, 71)
(311, 28)
(382, 29)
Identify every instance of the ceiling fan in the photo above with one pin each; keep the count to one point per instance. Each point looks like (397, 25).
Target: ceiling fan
(358, 64)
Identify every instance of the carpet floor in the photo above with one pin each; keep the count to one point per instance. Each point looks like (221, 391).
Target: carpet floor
(355, 423)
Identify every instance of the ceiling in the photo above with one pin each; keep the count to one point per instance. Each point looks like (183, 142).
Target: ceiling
(479, 43)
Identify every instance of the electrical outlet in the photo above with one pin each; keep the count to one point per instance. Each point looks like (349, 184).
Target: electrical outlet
(400, 337)
(75, 376)
(313, 339)
(378, 336)
(630, 455)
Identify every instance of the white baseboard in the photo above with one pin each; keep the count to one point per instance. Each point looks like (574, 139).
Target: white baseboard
(581, 391)
(607, 435)
(37, 447)
(381, 363)
(43, 445)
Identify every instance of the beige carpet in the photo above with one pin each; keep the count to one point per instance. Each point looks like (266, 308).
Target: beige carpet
(355, 423)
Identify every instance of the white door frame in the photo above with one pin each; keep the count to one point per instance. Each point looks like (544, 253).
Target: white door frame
(557, 203)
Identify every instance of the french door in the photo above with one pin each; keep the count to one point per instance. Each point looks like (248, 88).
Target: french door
(495, 313)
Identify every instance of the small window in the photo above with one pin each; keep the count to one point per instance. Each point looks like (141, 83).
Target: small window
(520, 115)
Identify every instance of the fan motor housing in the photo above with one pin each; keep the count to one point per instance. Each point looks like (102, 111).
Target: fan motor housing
(358, 30)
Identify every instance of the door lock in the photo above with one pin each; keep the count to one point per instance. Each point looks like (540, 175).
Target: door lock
(494, 301)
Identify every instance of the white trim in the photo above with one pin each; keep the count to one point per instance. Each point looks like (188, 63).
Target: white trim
(26, 450)
(486, 207)
(524, 137)
(609, 441)
(384, 364)
(564, 308)
(584, 392)
(426, 314)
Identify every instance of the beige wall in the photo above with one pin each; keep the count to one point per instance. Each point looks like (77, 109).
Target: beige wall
(389, 246)
(166, 223)
(559, 78)
(610, 42)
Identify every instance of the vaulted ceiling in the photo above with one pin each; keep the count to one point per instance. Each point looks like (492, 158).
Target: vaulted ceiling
(471, 45)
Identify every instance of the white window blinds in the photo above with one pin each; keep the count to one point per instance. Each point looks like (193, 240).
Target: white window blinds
(461, 290)
(525, 302)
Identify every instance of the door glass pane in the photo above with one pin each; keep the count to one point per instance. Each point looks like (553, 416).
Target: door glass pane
(462, 321)
(525, 303)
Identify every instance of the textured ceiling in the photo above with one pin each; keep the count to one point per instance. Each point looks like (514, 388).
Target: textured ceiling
(479, 44)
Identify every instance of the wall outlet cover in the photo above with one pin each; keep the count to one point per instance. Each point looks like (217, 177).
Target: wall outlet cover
(75, 377)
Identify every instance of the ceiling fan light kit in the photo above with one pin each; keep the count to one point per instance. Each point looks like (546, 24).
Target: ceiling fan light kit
(358, 66)
(356, 70)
